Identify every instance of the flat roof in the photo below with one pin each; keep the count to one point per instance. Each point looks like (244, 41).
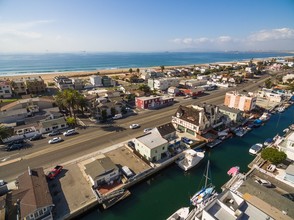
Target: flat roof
(152, 140)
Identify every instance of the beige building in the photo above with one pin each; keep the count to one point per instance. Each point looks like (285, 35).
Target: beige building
(35, 84)
(19, 86)
(239, 101)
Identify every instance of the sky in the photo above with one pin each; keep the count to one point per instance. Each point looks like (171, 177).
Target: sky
(146, 25)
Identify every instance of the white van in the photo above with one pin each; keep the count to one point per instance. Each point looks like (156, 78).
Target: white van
(117, 116)
(70, 132)
(126, 171)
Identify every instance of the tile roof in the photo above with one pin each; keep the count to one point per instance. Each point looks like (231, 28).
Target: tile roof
(166, 129)
(36, 192)
(188, 114)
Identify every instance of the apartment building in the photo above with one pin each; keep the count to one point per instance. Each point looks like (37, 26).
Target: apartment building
(239, 101)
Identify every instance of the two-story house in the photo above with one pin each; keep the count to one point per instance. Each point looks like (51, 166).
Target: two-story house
(153, 102)
(5, 89)
(287, 146)
(35, 85)
(197, 119)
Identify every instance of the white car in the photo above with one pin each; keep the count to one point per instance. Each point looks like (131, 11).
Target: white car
(133, 126)
(70, 132)
(55, 140)
(264, 182)
(147, 130)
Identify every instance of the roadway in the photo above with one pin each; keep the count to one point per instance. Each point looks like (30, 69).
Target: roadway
(92, 139)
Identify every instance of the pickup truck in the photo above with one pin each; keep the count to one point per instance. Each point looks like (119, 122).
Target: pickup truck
(53, 173)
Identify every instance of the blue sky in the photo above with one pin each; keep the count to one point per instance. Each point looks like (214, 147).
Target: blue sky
(146, 25)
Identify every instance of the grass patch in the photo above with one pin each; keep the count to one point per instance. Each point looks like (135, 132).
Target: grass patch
(8, 100)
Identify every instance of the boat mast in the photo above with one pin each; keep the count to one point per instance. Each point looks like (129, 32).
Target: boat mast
(206, 175)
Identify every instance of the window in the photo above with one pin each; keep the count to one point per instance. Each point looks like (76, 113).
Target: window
(162, 148)
(41, 212)
(44, 209)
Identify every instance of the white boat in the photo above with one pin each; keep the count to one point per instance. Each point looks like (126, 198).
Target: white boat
(268, 141)
(180, 214)
(265, 116)
(191, 159)
(240, 132)
(200, 198)
(281, 109)
(255, 149)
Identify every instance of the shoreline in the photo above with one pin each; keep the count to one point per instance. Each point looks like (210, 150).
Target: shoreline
(48, 76)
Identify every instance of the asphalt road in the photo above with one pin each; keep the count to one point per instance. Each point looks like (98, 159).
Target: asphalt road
(89, 140)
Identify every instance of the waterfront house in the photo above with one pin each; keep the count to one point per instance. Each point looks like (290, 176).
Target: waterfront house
(287, 146)
(35, 85)
(153, 102)
(5, 89)
(48, 125)
(78, 83)
(63, 82)
(232, 114)
(102, 171)
(166, 131)
(162, 84)
(151, 146)
(239, 101)
(19, 86)
(33, 198)
(289, 174)
(197, 119)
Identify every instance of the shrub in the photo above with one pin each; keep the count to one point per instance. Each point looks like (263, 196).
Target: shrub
(273, 155)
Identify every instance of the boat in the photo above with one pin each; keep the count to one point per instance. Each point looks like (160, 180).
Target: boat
(265, 116)
(200, 198)
(191, 159)
(241, 131)
(268, 141)
(180, 214)
(256, 148)
(257, 123)
(281, 109)
(233, 171)
(213, 143)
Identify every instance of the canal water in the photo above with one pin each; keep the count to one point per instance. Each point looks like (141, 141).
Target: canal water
(164, 193)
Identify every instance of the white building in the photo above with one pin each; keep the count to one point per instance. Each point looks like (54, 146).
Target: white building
(96, 80)
(287, 146)
(5, 89)
(163, 83)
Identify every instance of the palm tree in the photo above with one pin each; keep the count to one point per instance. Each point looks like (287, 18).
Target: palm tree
(130, 70)
(162, 68)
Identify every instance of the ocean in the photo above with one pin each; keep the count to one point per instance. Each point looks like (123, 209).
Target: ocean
(45, 63)
(160, 196)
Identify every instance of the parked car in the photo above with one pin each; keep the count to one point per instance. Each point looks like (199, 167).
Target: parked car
(117, 116)
(2, 182)
(133, 126)
(187, 140)
(147, 130)
(131, 144)
(14, 146)
(55, 140)
(54, 133)
(263, 182)
(70, 132)
(36, 137)
(53, 173)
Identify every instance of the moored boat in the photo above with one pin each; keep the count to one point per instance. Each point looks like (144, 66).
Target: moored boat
(255, 149)
(268, 141)
(180, 214)
(191, 159)
(200, 198)
(233, 171)
(265, 116)
(213, 143)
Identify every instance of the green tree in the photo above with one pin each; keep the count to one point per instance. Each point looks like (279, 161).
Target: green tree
(113, 111)
(130, 70)
(145, 88)
(70, 100)
(268, 83)
(104, 115)
(273, 155)
(5, 132)
(138, 70)
(162, 68)
(71, 121)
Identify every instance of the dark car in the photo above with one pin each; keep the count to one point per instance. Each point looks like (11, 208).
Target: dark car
(21, 141)
(14, 147)
(36, 137)
(54, 132)
(131, 144)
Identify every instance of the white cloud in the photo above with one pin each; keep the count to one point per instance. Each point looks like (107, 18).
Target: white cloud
(224, 39)
(274, 34)
(22, 29)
